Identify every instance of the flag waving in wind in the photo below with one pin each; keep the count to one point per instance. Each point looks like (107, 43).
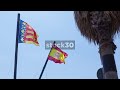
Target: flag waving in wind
(57, 55)
(27, 34)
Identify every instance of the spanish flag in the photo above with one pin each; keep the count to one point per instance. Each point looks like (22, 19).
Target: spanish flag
(57, 55)
(27, 34)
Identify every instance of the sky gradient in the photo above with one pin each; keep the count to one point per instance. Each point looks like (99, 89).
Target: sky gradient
(82, 62)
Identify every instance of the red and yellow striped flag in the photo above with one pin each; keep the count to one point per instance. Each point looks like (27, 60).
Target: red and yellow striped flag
(57, 55)
(27, 34)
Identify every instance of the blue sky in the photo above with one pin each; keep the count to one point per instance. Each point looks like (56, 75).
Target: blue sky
(82, 63)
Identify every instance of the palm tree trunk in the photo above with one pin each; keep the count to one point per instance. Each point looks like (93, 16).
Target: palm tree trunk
(106, 51)
(100, 27)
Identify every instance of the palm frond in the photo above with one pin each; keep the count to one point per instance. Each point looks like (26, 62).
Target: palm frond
(83, 22)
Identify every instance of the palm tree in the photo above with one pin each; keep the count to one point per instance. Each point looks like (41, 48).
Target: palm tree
(100, 27)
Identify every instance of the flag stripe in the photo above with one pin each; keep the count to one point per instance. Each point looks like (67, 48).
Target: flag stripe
(30, 29)
(28, 36)
(31, 32)
(31, 42)
(28, 39)
(55, 60)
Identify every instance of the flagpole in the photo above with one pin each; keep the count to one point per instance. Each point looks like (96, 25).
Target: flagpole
(46, 62)
(16, 47)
